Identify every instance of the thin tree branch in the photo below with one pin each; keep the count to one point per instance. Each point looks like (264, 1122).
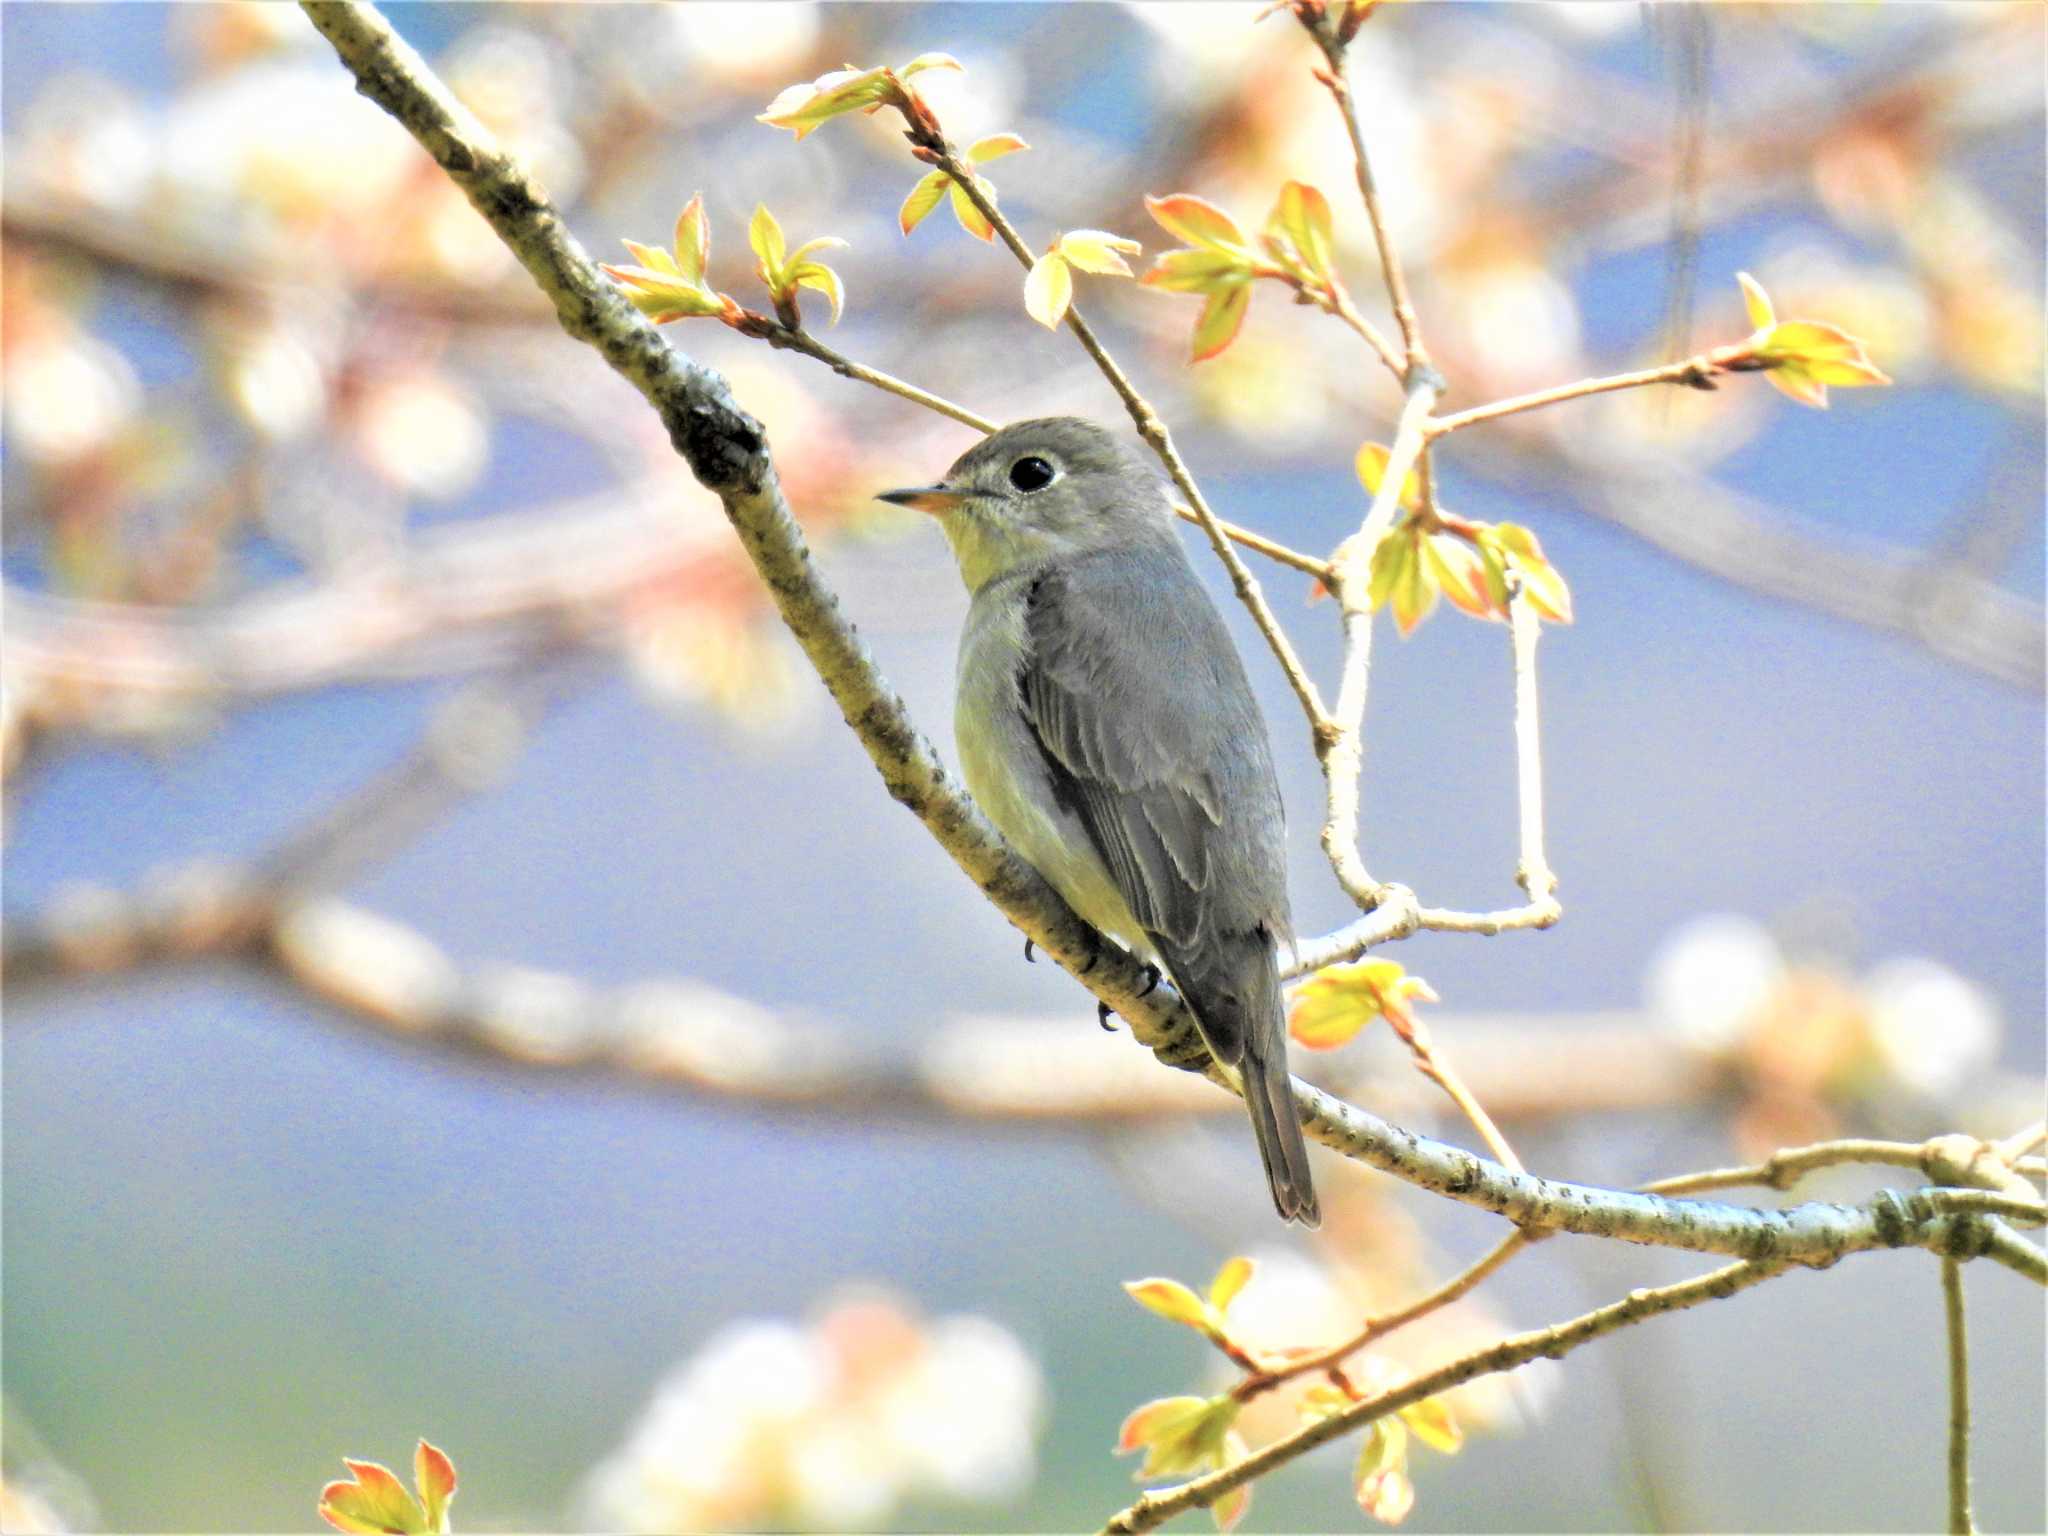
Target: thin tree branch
(1961, 1522)
(1532, 870)
(1154, 1509)
(1694, 372)
(1376, 1328)
(1342, 751)
(1338, 80)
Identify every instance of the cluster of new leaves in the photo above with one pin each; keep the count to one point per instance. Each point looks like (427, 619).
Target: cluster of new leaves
(936, 184)
(1332, 1006)
(1186, 1436)
(1803, 356)
(670, 285)
(1379, 1478)
(785, 271)
(373, 1502)
(803, 109)
(1219, 262)
(1477, 566)
(1049, 285)
(667, 286)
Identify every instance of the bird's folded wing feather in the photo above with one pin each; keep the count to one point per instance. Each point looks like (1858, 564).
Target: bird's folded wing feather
(1147, 724)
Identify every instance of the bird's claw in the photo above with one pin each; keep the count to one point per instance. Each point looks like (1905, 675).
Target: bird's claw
(1029, 958)
(1102, 1016)
(1151, 980)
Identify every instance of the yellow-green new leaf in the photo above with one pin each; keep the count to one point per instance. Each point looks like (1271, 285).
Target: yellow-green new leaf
(1380, 1479)
(925, 61)
(1199, 222)
(1195, 271)
(1097, 251)
(1217, 325)
(1172, 1301)
(653, 258)
(1541, 583)
(693, 239)
(373, 1502)
(1232, 1278)
(821, 278)
(929, 192)
(994, 147)
(434, 1475)
(1332, 1006)
(1048, 289)
(1298, 234)
(1460, 572)
(1762, 316)
(1434, 1425)
(1181, 1435)
(803, 109)
(1371, 465)
(765, 236)
(970, 216)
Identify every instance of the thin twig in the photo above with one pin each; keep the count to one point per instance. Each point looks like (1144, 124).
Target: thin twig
(2004, 1246)
(2017, 1145)
(1532, 871)
(1695, 372)
(1156, 436)
(1338, 79)
(1338, 303)
(1376, 1328)
(793, 339)
(1154, 1509)
(1343, 752)
(1440, 1072)
(1988, 1202)
(1784, 1168)
(1960, 1520)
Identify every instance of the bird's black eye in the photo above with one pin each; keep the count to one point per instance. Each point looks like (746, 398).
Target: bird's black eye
(1031, 473)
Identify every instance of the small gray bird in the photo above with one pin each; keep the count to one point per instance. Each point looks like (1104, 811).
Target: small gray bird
(1106, 728)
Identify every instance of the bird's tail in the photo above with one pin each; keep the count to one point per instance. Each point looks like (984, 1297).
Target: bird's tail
(1269, 1095)
(1232, 984)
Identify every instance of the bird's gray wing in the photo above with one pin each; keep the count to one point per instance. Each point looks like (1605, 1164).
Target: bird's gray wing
(1149, 731)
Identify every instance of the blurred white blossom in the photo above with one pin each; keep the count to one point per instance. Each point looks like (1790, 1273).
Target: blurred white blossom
(833, 1424)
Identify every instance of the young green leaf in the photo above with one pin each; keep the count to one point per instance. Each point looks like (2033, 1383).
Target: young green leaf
(667, 286)
(1380, 1478)
(434, 1475)
(1217, 326)
(1804, 356)
(1097, 251)
(1333, 1005)
(372, 1501)
(1182, 1435)
(1232, 1278)
(1172, 1301)
(970, 217)
(1200, 223)
(1371, 465)
(1048, 289)
(765, 236)
(1298, 236)
(929, 192)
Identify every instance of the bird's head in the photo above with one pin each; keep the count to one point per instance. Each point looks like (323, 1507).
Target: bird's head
(1036, 492)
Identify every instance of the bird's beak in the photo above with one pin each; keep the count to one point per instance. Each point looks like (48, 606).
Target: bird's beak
(935, 499)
